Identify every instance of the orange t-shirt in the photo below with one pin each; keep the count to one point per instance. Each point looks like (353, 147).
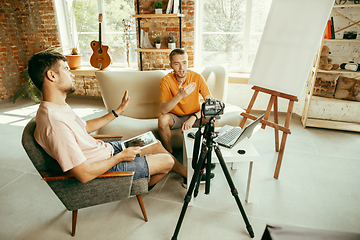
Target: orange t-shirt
(169, 87)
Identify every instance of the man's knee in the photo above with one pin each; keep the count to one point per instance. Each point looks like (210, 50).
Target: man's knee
(168, 162)
(160, 163)
(165, 120)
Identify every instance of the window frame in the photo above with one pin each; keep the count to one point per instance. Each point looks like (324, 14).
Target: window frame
(245, 66)
(69, 36)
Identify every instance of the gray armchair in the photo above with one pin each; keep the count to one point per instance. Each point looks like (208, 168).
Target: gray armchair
(109, 187)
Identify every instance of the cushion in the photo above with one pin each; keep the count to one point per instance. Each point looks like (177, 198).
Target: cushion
(348, 89)
(143, 88)
(325, 85)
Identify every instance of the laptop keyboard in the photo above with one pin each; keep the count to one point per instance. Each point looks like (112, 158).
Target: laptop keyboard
(229, 136)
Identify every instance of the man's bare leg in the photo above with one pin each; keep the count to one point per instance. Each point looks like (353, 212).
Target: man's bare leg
(164, 123)
(159, 165)
(159, 148)
(179, 168)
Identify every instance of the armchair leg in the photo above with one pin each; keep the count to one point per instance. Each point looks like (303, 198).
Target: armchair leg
(141, 203)
(74, 218)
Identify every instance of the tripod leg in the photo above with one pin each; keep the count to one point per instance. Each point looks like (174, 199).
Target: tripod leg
(196, 191)
(187, 198)
(208, 170)
(233, 190)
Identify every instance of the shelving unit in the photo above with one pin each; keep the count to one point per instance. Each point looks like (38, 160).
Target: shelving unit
(163, 49)
(139, 17)
(330, 103)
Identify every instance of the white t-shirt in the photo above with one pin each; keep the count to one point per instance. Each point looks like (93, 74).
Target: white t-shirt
(62, 134)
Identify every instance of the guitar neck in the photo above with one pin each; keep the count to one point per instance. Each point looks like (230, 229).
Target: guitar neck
(100, 37)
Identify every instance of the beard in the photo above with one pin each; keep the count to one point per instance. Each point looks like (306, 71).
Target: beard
(70, 90)
(65, 89)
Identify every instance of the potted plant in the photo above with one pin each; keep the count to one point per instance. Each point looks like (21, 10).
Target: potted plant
(74, 59)
(158, 5)
(28, 90)
(171, 42)
(157, 39)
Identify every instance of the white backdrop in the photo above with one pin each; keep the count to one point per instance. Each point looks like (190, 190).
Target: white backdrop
(288, 45)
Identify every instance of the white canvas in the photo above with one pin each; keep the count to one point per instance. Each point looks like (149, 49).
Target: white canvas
(288, 45)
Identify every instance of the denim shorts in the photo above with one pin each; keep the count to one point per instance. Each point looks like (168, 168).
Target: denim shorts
(139, 165)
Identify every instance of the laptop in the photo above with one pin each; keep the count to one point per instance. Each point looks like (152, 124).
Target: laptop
(229, 136)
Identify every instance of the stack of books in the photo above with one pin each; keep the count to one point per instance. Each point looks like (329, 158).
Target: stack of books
(172, 7)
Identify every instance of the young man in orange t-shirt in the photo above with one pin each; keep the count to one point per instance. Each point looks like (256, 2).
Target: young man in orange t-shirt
(179, 101)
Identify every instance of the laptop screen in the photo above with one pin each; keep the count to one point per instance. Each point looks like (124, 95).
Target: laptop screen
(248, 130)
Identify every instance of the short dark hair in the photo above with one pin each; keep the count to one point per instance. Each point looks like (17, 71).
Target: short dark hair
(40, 63)
(176, 51)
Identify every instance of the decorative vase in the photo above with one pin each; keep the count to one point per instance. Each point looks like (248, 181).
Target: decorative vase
(74, 61)
(158, 45)
(158, 11)
(171, 45)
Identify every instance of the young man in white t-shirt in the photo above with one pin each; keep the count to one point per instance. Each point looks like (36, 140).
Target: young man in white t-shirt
(65, 137)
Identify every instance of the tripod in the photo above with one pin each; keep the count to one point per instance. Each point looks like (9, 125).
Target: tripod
(206, 149)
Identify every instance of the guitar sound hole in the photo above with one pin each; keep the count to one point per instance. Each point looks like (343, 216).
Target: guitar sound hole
(100, 51)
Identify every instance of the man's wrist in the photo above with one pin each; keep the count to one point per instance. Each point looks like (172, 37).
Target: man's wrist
(195, 116)
(179, 96)
(115, 114)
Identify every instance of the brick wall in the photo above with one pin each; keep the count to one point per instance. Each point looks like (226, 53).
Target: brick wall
(164, 27)
(29, 26)
(26, 27)
(87, 86)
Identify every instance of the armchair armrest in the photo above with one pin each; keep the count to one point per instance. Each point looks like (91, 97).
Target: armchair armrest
(106, 136)
(54, 176)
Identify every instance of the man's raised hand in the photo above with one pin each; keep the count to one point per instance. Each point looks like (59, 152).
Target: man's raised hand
(124, 103)
(187, 90)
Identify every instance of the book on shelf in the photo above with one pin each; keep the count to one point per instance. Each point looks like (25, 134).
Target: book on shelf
(176, 7)
(328, 30)
(169, 7)
(332, 28)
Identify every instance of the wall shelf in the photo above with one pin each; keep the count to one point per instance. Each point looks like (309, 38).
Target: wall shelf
(153, 49)
(330, 124)
(158, 15)
(346, 5)
(342, 71)
(342, 40)
(139, 17)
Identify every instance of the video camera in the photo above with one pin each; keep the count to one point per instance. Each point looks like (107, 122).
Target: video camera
(212, 109)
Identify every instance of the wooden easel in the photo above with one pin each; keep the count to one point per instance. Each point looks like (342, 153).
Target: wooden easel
(285, 129)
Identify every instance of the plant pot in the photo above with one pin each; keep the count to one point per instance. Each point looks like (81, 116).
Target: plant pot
(171, 45)
(158, 11)
(158, 45)
(74, 61)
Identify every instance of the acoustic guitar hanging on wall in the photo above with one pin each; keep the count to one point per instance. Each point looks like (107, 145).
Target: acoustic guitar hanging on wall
(100, 58)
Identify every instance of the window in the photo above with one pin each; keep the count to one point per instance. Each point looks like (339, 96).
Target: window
(229, 31)
(82, 27)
